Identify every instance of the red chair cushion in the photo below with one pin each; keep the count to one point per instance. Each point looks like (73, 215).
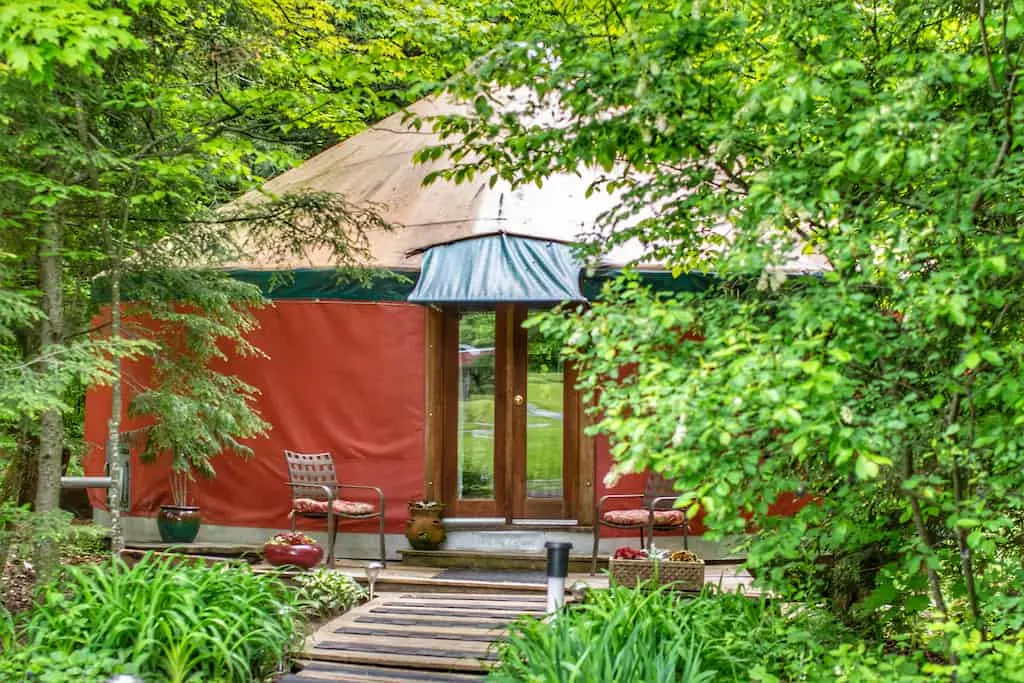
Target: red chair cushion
(638, 517)
(341, 507)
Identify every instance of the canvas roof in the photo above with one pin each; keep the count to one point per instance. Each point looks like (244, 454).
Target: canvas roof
(376, 168)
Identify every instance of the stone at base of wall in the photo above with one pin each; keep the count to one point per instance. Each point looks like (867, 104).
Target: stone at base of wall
(363, 546)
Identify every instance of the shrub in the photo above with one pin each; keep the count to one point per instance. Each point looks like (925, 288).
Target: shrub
(57, 666)
(631, 635)
(323, 592)
(167, 621)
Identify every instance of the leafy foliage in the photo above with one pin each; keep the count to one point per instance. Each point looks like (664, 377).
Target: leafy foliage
(754, 140)
(122, 128)
(164, 620)
(58, 666)
(629, 634)
(195, 318)
(323, 592)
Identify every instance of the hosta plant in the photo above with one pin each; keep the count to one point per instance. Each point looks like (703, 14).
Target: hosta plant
(323, 592)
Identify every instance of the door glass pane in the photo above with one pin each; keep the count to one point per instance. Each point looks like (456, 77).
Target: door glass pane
(476, 404)
(544, 416)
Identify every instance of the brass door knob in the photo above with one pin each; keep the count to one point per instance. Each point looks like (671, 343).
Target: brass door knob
(518, 400)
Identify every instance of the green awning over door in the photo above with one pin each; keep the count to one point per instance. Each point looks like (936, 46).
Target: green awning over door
(498, 268)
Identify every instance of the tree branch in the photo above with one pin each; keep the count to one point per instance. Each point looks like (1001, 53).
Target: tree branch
(983, 30)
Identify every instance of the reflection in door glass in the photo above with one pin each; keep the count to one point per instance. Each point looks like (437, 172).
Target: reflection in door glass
(476, 404)
(544, 417)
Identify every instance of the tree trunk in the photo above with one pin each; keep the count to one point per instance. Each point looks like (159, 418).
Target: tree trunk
(114, 424)
(51, 422)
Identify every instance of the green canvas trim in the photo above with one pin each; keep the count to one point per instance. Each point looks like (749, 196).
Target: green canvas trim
(658, 280)
(315, 283)
(396, 285)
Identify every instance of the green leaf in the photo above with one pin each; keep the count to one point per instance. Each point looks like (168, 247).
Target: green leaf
(866, 468)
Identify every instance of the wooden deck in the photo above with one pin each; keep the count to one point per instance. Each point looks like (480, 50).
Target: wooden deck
(414, 637)
(399, 578)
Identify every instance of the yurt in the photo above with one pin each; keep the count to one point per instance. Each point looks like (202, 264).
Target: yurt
(424, 385)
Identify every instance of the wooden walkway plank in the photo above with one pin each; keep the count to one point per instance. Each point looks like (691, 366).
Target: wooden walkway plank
(409, 634)
(318, 672)
(407, 661)
(438, 622)
(477, 597)
(447, 613)
(468, 605)
(481, 635)
(411, 647)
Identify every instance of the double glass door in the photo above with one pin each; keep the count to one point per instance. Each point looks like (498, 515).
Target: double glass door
(512, 419)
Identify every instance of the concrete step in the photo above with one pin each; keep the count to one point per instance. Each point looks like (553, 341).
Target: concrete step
(474, 559)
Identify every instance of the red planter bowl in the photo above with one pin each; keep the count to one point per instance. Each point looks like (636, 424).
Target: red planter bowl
(304, 556)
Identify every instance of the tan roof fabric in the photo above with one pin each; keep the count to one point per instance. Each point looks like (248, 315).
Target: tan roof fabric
(376, 168)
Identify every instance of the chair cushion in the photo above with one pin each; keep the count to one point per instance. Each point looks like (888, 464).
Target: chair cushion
(641, 516)
(341, 507)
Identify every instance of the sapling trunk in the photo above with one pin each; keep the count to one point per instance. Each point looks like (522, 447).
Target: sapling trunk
(51, 422)
(925, 538)
(114, 424)
(966, 555)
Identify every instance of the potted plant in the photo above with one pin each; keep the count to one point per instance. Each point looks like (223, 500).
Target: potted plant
(425, 528)
(293, 548)
(179, 522)
(193, 411)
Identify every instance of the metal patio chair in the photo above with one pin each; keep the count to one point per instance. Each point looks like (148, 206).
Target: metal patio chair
(314, 486)
(655, 513)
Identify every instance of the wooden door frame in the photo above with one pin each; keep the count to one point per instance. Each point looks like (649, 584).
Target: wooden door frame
(441, 426)
(524, 507)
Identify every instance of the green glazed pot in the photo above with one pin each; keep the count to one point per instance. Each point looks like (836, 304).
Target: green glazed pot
(178, 523)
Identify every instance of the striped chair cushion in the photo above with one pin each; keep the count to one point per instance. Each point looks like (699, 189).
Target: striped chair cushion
(341, 507)
(638, 517)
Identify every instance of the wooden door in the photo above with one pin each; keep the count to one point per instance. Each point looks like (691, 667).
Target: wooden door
(511, 420)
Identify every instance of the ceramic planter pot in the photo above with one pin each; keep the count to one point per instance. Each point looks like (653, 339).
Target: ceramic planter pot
(304, 556)
(178, 523)
(425, 528)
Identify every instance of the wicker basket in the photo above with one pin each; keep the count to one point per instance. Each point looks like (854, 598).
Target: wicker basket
(686, 576)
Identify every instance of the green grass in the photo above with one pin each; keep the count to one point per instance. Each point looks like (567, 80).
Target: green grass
(543, 435)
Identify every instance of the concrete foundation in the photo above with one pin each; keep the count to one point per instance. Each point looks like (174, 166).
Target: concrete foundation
(363, 546)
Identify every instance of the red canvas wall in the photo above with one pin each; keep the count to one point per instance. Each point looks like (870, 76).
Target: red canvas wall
(344, 377)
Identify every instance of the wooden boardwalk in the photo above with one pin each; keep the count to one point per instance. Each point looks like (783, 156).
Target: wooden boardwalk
(414, 637)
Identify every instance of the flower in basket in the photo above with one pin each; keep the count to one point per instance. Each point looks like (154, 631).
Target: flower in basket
(682, 569)
(292, 538)
(627, 553)
(293, 548)
(684, 556)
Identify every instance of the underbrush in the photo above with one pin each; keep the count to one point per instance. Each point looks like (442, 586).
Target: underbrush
(164, 621)
(625, 635)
